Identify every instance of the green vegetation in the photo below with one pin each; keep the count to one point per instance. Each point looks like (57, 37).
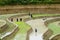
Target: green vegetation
(38, 15)
(23, 28)
(55, 27)
(1, 22)
(9, 28)
(0, 39)
(24, 2)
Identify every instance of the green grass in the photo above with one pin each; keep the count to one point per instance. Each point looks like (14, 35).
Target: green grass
(37, 15)
(9, 28)
(23, 28)
(1, 22)
(55, 28)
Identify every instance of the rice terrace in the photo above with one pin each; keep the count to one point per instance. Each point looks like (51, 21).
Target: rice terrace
(29, 19)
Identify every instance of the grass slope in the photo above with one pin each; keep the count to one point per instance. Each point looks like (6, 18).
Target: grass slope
(37, 15)
(55, 27)
(23, 28)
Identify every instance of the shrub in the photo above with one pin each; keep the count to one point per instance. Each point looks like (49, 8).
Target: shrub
(25, 2)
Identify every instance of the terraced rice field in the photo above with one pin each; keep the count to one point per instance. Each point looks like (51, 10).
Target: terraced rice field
(23, 28)
(1, 23)
(55, 27)
(9, 28)
(38, 15)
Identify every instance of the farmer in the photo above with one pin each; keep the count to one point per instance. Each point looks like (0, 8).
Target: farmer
(12, 19)
(17, 19)
(20, 19)
(36, 32)
(30, 15)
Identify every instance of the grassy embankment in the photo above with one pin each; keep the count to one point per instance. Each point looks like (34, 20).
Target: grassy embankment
(55, 27)
(23, 28)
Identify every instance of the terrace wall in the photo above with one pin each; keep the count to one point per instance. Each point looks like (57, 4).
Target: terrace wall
(10, 36)
(52, 8)
(50, 21)
(28, 33)
(12, 33)
(52, 37)
(47, 34)
(3, 26)
(56, 37)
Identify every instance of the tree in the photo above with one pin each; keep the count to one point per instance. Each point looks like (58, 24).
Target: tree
(25, 1)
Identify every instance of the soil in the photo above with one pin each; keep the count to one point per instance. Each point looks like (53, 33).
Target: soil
(53, 8)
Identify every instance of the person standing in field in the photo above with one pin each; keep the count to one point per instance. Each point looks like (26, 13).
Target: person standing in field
(30, 15)
(35, 31)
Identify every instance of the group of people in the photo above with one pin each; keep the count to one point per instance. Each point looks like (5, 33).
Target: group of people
(21, 18)
(16, 19)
